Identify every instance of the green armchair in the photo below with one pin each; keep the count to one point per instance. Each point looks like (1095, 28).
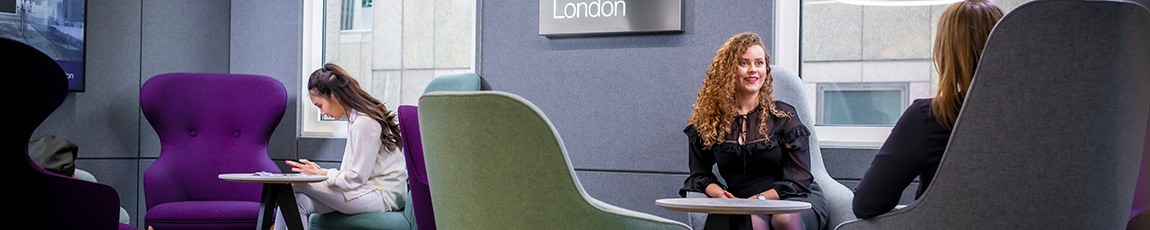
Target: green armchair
(395, 220)
(496, 162)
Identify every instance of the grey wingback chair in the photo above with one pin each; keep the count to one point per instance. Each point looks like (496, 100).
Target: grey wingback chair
(1140, 212)
(1051, 133)
(789, 89)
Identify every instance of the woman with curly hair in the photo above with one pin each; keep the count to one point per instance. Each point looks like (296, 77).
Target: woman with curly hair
(759, 144)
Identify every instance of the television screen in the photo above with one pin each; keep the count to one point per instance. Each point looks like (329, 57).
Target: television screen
(55, 27)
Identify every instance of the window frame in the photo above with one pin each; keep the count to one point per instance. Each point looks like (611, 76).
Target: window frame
(312, 38)
(788, 53)
(321, 28)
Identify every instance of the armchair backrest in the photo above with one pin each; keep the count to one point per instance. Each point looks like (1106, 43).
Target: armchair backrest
(496, 162)
(413, 147)
(47, 201)
(209, 124)
(489, 131)
(413, 152)
(837, 197)
(1045, 140)
(454, 82)
(1140, 212)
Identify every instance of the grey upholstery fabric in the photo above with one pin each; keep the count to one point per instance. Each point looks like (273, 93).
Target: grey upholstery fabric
(789, 88)
(1046, 137)
(1144, 3)
(1140, 212)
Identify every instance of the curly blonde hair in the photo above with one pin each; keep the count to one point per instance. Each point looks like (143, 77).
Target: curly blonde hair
(715, 108)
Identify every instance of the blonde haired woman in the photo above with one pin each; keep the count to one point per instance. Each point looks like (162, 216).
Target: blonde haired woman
(917, 141)
(758, 143)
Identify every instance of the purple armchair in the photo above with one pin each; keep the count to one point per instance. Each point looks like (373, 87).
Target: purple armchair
(208, 124)
(413, 151)
(46, 200)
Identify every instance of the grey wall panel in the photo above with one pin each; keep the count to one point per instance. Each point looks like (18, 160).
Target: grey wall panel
(634, 191)
(185, 36)
(321, 149)
(121, 175)
(142, 202)
(149, 143)
(847, 163)
(265, 40)
(103, 121)
(619, 102)
(181, 36)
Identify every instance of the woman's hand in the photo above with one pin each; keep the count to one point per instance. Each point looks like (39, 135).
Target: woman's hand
(769, 194)
(306, 167)
(714, 191)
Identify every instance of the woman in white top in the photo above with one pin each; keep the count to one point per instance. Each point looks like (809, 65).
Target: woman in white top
(372, 176)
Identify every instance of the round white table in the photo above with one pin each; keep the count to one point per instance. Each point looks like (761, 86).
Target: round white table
(274, 178)
(277, 191)
(733, 206)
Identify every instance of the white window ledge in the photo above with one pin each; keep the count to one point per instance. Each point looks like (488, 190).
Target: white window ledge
(851, 136)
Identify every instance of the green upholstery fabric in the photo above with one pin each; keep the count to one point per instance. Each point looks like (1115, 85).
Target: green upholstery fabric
(496, 162)
(454, 82)
(366, 221)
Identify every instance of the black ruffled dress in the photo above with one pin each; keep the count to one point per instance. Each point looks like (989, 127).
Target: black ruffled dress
(779, 161)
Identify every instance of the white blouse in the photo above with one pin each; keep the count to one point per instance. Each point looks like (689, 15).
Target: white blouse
(366, 166)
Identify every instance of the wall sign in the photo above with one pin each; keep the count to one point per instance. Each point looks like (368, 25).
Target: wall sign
(590, 17)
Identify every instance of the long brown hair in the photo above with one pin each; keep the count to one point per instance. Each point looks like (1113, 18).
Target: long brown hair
(962, 32)
(715, 107)
(333, 81)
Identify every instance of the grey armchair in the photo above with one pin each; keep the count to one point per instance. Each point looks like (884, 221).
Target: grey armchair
(1052, 128)
(789, 89)
(1140, 212)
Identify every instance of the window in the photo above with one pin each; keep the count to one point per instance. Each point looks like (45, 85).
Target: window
(862, 65)
(393, 49)
(860, 104)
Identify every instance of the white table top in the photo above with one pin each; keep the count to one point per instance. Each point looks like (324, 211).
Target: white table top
(274, 178)
(733, 206)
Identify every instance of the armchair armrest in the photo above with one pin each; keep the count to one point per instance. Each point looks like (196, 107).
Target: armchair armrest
(651, 220)
(697, 220)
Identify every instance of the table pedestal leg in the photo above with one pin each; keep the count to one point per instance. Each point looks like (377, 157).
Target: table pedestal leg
(267, 209)
(282, 196)
(285, 199)
(723, 222)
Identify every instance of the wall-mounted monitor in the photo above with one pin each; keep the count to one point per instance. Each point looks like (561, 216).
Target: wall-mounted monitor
(55, 27)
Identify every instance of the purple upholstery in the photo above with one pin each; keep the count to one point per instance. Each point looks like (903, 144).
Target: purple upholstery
(413, 152)
(238, 215)
(208, 124)
(45, 200)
